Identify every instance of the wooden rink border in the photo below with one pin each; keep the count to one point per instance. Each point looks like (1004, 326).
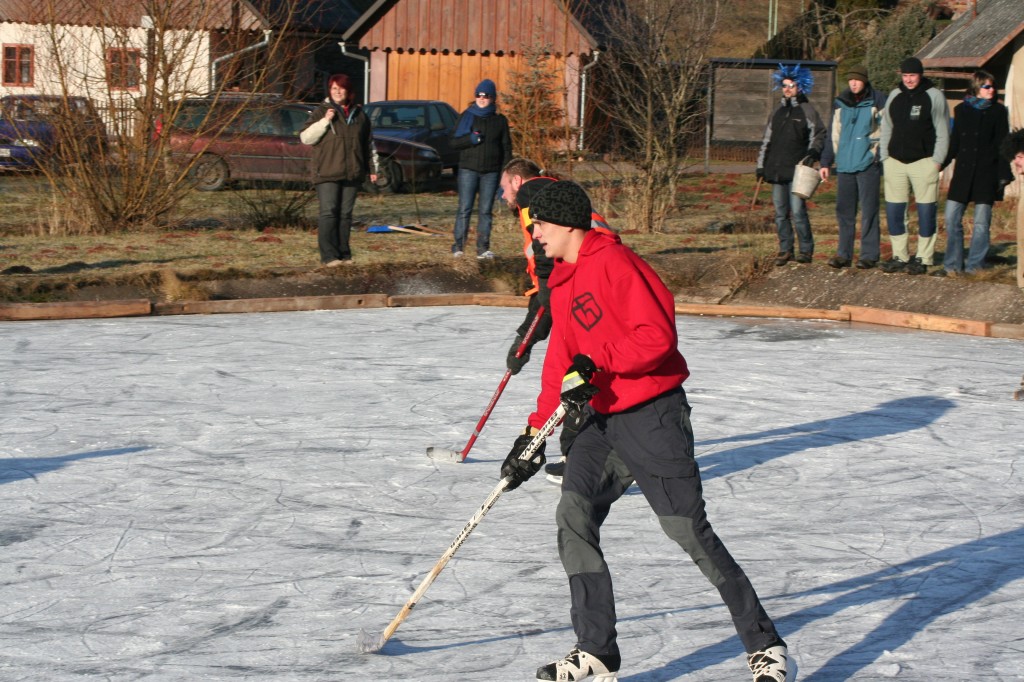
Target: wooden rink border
(144, 307)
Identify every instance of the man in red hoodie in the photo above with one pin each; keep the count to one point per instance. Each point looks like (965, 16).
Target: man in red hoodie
(613, 357)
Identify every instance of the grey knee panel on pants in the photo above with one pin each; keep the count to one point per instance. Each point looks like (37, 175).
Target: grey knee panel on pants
(680, 529)
(578, 547)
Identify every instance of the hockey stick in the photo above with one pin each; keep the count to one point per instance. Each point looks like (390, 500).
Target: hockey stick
(369, 645)
(446, 455)
(757, 190)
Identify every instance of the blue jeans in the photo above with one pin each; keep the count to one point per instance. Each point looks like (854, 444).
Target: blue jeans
(791, 212)
(954, 261)
(334, 223)
(470, 183)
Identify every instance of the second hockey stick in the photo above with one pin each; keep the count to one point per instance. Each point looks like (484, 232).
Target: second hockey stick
(368, 643)
(446, 455)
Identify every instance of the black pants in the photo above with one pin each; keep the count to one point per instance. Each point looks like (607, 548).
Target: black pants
(334, 224)
(653, 445)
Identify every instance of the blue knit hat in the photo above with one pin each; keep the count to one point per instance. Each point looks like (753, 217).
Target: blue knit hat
(486, 87)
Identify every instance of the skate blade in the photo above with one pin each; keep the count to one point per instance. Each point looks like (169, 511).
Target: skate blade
(444, 455)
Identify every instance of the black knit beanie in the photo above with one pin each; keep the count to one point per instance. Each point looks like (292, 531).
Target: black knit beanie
(911, 65)
(562, 203)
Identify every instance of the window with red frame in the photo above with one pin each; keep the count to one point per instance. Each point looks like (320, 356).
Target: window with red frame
(123, 68)
(18, 65)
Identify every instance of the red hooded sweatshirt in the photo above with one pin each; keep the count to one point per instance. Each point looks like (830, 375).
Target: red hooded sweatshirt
(613, 307)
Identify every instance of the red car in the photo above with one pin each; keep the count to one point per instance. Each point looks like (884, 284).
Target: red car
(257, 138)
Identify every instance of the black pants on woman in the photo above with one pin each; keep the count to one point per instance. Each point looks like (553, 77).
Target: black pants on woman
(334, 224)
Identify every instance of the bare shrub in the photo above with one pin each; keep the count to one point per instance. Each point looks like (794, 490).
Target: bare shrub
(116, 174)
(652, 80)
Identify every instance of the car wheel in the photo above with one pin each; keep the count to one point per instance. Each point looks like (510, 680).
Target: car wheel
(210, 173)
(389, 180)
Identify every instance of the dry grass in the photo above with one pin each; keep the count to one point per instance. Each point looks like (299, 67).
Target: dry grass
(210, 235)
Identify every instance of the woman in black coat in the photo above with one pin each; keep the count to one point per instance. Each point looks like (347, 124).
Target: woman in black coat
(485, 146)
(980, 124)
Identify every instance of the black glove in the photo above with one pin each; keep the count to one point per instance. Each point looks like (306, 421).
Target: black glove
(576, 387)
(513, 363)
(520, 470)
(759, 173)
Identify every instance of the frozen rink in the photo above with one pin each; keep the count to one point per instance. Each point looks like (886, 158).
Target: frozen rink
(234, 497)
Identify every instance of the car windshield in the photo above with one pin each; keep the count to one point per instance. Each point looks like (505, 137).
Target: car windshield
(397, 116)
(39, 109)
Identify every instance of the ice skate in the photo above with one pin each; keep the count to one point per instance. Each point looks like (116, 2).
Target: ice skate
(554, 470)
(772, 665)
(579, 665)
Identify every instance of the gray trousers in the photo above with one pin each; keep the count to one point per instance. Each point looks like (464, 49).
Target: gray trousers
(653, 445)
(859, 188)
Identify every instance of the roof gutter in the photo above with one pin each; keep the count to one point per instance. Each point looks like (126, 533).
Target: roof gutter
(583, 98)
(366, 69)
(216, 62)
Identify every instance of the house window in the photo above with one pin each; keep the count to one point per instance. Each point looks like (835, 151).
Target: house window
(123, 68)
(18, 65)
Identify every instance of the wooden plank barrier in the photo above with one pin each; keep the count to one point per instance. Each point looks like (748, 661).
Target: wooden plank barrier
(502, 300)
(761, 311)
(933, 323)
(271, 305)
(69, 310)
(412, 301)
(1000, 330)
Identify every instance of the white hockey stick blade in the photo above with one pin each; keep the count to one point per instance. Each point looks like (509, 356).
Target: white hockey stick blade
(444, 455)
(369, 644)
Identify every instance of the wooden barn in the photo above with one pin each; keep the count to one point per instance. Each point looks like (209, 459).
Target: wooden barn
(989, 35)
(742, 96)
(441, 49)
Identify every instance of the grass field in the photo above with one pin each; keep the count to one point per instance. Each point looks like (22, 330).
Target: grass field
(214, 231)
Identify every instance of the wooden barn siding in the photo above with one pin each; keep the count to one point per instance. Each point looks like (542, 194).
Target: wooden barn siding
(744, 99)
(475, 26)
(452, 78)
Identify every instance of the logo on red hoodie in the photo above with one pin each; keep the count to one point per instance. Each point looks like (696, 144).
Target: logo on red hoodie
(586, 311)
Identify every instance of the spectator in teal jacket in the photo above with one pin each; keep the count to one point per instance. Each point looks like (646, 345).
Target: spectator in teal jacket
(852, 143)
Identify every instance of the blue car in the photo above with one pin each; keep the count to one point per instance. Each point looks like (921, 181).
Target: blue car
(30, 127)
(428, 122)
(25, 145)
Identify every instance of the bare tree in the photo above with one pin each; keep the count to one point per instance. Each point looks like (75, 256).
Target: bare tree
(651, 81)
(537, 122)
(829, 29)
(137, 60)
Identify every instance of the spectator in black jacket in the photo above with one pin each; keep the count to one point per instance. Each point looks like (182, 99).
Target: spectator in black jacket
(794, 134)
(980, 124)
(915, 139)
(482, 136)
(343, 156)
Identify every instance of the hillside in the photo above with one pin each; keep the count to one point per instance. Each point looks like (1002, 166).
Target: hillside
(743, 25)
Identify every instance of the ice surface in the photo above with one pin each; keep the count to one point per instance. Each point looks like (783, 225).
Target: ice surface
(237, 496)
